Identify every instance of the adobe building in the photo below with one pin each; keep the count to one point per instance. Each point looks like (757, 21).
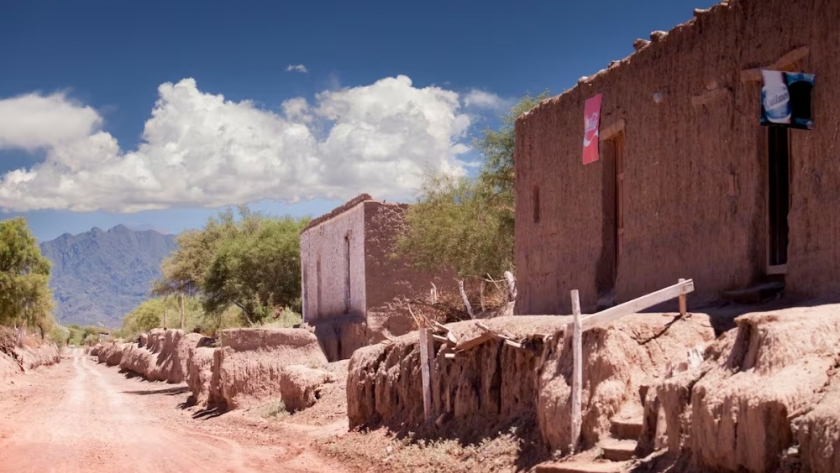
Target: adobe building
(689, 184)
(351, 281)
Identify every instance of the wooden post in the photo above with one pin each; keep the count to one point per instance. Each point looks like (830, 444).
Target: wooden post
(164, 312)
(427, 371)
(682, 300)
(577, 371)
(183, 315)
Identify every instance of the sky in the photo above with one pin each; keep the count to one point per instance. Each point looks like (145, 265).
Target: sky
(155, 114)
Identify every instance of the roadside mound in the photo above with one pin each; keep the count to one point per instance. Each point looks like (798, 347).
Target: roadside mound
(160, 355)
(34, 352)
(619, 361)
(497, 383)
(259, 364)
(110, 353)
(202, 365)
(766, 396)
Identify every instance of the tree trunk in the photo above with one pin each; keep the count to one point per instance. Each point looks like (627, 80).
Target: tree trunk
(481, 295)
(183, 317)
(464, 297)
(244, 313)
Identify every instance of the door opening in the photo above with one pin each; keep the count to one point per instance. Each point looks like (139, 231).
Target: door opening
(612, 231)
(347, 273)
(778, 198)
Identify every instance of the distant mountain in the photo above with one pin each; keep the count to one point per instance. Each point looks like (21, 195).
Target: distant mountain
(98, 276)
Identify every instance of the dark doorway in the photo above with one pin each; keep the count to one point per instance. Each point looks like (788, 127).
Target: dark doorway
(347, 273)
(612, 185)
(778, 205)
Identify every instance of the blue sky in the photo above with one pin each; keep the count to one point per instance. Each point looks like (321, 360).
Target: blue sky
(81, 79)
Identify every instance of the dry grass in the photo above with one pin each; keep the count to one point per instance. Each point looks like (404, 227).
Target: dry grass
(272, 410)
(383, 450)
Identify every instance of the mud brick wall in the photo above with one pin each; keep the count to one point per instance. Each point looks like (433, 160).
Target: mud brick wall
(377, 279)
(695, 165)
(389, 277)
(324, 265)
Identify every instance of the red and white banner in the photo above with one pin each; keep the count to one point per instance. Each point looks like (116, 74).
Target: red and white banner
(592, 123)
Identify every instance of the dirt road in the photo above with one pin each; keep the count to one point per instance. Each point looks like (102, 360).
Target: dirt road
(79, 416)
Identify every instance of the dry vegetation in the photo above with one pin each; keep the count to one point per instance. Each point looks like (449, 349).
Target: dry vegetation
(383, 450)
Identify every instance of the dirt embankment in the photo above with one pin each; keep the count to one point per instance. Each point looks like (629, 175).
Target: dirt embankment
(258, 364)
(15, 359)
(110, 353)
(496, 382)
(766, 397)
(160, 355)
(620, 361)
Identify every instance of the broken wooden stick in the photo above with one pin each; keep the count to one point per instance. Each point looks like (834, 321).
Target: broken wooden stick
(464, 298)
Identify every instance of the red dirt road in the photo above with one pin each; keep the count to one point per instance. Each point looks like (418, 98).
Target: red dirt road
(79, 416)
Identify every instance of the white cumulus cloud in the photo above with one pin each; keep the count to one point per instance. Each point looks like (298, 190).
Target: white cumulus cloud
(199, 149)
(297, 68)
(34, 121)
(480, 99)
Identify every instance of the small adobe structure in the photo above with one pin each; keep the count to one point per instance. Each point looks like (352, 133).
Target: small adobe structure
(689, 184)
(351, 280)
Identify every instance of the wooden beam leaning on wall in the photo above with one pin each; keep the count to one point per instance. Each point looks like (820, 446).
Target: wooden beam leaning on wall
(631, 307)
(788, 61)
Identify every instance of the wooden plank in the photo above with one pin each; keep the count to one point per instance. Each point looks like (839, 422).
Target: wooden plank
(512, 343)
(426, 371)
(440, 338)
(785, 63)
(577, 370)
(631, 307)
(683, 308)
(473, 342)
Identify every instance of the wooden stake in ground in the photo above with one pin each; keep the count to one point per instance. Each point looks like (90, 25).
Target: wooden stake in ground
(164, 312)
(577, 371)
(427, 350)
(183, 316)
(683, 308)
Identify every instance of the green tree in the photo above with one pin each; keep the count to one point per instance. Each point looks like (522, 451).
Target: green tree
(467, 224)
(25, 298)
(257, 271)
(149, 315)
(243, 259)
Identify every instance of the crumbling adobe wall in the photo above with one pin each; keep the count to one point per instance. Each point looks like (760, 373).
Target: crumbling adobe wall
(619, 360)
(695, 165)
(388, 278)
(160, 355)
(110, 353)
(493, 381)
(252, 363)
(203, 377)
(34, 353)
(768, 388)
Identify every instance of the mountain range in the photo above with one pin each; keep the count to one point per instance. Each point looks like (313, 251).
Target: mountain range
(99, 276)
